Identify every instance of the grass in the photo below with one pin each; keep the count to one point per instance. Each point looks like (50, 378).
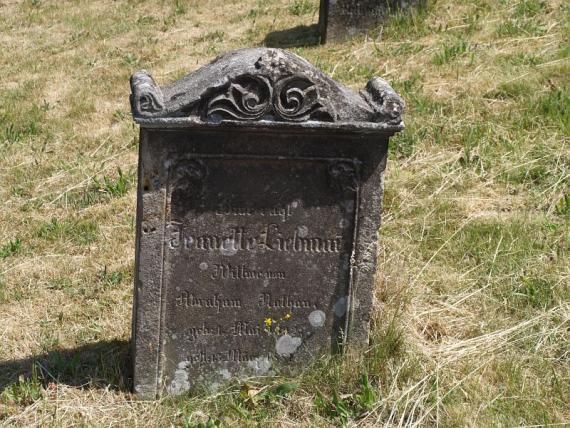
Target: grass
(81, 232)
(450, 51)
(10, 248)
(302, 7)
(472, 314)
(24, 392)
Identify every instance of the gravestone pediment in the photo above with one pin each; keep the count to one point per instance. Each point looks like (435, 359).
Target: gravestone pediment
(265, 86)
(258, 208)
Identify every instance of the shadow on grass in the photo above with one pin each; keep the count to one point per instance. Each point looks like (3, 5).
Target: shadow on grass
(98, 365)
(300, 36)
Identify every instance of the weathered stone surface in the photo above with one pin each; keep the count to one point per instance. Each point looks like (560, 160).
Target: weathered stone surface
(260, 183)
(340, 19)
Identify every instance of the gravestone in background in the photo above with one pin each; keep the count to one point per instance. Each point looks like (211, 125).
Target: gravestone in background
(340, 19)
(260, 183)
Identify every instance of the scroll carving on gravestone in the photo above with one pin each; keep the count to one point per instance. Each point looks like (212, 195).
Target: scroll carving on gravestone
(258, 210)
(292, 98)
(147, 97)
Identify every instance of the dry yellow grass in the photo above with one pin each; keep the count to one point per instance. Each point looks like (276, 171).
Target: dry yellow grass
(473, 311)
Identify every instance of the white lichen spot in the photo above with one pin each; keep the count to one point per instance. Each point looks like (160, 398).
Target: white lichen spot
(225, 374)
(203, 266)
(302, 231)
(287, 345)
(260, 366)
(340, 307)
(317, 318)
(174, 337)
(180, 382)
(294, 204)
(228, 248)
(343, 224)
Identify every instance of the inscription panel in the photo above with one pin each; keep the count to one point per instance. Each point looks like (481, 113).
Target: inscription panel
(256, 265)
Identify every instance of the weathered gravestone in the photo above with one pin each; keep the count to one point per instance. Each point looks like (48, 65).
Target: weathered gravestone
(260, 183)
(339, 19)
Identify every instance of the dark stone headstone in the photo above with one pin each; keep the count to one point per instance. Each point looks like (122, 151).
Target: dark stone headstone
(260, 183)
(340, 19)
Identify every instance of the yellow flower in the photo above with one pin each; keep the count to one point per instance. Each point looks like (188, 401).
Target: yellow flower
(268, 322)
(287, 316)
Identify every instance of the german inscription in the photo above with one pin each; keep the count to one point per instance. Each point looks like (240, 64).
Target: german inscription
(257, 260)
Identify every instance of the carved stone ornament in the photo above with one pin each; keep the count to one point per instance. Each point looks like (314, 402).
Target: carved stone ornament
(263, 86)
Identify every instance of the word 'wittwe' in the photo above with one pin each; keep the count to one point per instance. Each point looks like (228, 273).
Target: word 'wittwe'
(241, 239)
(281, 211)
(228, 271)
